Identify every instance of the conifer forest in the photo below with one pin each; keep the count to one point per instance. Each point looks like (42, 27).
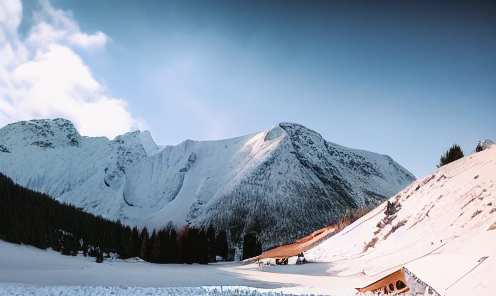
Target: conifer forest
(32, 218)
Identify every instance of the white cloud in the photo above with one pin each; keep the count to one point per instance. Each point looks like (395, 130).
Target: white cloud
(42, 77)
(55, 25)
(10, 17)
(87, 41)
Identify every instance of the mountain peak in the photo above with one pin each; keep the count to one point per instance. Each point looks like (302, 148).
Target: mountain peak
(137, 138)
(42, 133)
(236, 184)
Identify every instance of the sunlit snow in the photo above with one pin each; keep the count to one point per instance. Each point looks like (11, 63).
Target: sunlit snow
(441, 228)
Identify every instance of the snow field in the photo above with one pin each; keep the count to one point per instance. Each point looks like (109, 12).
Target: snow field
(26, 270)
(16, 289)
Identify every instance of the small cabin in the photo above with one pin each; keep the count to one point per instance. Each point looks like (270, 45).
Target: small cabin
(400, 282)
(393, 283)
(283, 255)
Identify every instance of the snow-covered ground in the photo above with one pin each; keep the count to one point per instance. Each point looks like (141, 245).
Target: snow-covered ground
(441, 229)
(25, 270)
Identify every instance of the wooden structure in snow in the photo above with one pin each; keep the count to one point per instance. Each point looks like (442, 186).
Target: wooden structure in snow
(400, 282)
(282, 253)
(392, 283)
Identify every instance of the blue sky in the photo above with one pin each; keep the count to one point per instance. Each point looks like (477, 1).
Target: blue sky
(402, 78)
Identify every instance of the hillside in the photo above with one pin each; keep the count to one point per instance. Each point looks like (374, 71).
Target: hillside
(281, 183)
(441, 228)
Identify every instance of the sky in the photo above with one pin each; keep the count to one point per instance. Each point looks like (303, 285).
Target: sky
(403, 78)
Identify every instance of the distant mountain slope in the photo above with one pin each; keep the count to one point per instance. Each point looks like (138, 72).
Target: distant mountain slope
(281, 183)
(441, 227)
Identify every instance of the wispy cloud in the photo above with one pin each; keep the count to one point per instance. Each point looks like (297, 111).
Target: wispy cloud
(41, 76)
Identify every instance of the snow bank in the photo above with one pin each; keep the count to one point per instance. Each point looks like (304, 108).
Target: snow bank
(9, 289)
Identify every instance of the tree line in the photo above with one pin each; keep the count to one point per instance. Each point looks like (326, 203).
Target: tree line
(33, 218)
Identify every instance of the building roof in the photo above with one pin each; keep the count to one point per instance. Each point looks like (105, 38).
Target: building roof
(299, 246)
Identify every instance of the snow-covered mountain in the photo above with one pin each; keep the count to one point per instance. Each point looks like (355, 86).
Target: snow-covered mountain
(282, 183)
(442, 228)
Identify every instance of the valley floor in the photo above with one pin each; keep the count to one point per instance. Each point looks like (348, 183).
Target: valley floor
(25, 270)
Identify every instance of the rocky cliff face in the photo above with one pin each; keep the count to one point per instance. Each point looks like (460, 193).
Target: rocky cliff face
(281, 183)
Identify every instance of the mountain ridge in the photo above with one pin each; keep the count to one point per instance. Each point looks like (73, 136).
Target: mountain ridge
(280, 183)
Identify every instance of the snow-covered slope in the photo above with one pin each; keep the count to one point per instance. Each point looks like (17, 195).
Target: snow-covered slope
(282, 183)
(440, 227)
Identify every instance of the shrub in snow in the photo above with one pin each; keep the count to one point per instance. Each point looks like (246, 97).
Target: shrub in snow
(479, 147)
(454, 153)
(370, 244)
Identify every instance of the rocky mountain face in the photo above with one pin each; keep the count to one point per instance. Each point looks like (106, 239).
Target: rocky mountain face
(281, 183)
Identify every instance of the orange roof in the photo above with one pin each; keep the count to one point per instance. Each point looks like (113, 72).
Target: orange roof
(384, 283)
(296, 248)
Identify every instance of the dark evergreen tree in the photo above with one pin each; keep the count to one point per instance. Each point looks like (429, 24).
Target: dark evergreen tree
(155, 250)
(144, 244)
(478, 148)
(69, 245)
(190, 241)
(172, 255)
(454, 153)
(126, 245)
(201, 247)
(182, 244)
(211, 243)
(136, 242)
(251, 246)
(221, 245)
(163, 236)
(149, 247)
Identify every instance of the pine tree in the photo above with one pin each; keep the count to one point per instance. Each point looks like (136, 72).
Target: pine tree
(221, 245)
(136, 252)
(163, 236)
(479, 147)
(144, 244)
(151, 244)
(155, 253)
(454, 153)
(211, 243)
(173, 255)
(202, 247)
(190, 243)
(251, 246)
